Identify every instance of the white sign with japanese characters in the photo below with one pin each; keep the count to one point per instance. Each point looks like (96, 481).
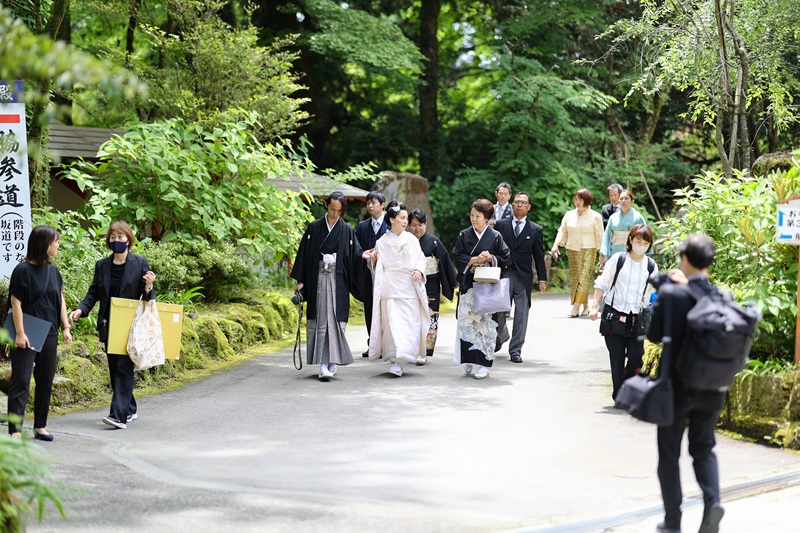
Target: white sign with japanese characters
(15, 196)
(788, 230)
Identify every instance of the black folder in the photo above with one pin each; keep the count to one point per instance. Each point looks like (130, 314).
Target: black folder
(35, 328)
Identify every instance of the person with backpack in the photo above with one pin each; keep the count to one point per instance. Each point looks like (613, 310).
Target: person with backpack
(700, 409)
(622, 288)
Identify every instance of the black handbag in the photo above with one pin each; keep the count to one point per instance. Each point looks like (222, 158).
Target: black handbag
(647, 399)
(643, 320)
(612, 322)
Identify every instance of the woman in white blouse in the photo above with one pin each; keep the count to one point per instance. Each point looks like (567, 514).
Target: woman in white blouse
(623, 292)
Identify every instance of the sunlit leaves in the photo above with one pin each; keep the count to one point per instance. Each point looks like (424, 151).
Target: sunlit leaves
(178, 181)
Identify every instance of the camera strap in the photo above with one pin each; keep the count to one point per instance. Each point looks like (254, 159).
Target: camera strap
(297, 353)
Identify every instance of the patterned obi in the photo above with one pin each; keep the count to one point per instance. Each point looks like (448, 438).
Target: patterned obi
(431, 266)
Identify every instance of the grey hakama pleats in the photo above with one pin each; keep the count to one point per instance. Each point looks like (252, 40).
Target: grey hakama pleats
(325, 338)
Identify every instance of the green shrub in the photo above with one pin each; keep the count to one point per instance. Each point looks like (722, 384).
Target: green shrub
(180, 266)
(740, 214)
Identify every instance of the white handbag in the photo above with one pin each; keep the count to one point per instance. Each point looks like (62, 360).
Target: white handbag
(485, 274)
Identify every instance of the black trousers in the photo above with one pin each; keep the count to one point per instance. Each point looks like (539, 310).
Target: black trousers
(120, 370)
(42, 365)
(700, 409)
(625, 355)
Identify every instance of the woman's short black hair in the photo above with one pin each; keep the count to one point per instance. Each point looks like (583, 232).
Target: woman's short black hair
(483, 206)
(39, 241)
(339, 197)
(418, 215)
(642, 231)
(393, 209)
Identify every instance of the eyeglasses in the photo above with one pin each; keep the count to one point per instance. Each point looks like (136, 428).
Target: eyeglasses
(519, 202)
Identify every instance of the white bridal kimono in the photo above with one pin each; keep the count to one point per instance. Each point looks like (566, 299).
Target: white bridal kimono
(400, 315)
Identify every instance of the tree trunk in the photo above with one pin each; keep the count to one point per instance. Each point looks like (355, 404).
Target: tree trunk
(619, 144)
(742, 88)
(649, 129)
(725, 104)
(736, 116)
(38, 163)
(133, 21)
(64, 104)
(429, 89)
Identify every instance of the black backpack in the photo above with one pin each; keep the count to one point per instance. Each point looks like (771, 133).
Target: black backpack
(718, 338)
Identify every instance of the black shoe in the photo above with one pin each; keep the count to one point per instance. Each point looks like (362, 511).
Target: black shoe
(365, 354)
(47, 437)
(516, 359)
(711, 518)
(662, 528)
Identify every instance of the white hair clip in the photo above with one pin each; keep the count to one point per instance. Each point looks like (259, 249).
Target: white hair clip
(395, 209)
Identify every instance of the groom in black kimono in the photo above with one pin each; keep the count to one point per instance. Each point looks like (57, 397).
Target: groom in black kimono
(329, 254)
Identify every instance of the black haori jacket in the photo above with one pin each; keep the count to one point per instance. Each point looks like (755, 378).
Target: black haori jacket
(352, 275)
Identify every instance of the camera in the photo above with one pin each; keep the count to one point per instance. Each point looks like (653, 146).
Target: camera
(657, 280)
(299, 297)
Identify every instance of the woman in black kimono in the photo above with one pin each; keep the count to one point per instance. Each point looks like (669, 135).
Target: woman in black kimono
(475, 246)
(439, 272)
(329, 267)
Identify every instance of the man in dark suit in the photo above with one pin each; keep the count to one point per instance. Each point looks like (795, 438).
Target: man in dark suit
(614, 190)
(368, 232)
(502, 209)
(524, 239)
(700, 409)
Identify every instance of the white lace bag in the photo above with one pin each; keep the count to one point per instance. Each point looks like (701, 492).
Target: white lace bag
(145, 343)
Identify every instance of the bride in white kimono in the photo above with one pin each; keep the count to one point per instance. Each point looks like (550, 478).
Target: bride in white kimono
(400, 316)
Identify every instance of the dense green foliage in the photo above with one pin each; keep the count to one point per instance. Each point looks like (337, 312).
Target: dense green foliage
(25, 55)
(739, 214)
(177, 181)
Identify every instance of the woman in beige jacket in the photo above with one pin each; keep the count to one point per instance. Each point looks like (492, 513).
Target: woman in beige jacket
(581, 232)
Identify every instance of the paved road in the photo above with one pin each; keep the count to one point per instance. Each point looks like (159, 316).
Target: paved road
(263, 447)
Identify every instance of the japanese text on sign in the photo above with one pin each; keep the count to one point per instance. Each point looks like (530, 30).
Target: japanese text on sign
(15, 208)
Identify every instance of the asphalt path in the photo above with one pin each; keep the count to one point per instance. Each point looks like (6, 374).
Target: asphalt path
(259, 447)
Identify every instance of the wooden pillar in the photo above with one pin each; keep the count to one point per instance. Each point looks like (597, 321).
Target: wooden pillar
(797, 318)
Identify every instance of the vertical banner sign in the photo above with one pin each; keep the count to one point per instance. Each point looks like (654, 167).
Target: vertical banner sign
(15, 194)
(788, 232)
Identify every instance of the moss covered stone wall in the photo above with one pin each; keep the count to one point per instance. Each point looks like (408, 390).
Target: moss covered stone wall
(215, 334)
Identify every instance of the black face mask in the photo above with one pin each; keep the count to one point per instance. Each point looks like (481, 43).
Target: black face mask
(118, 247)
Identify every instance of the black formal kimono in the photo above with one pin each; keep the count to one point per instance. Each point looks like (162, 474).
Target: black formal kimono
(129, 283)
(440, 279)
(468, 246)
(350, 267)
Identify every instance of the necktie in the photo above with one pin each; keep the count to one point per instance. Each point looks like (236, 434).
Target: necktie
(375, 226)
(517, 227)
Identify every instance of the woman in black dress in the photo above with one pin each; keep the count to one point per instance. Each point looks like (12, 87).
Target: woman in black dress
(439, 272)
(120, 275)
(475, 246)
(36, 289)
